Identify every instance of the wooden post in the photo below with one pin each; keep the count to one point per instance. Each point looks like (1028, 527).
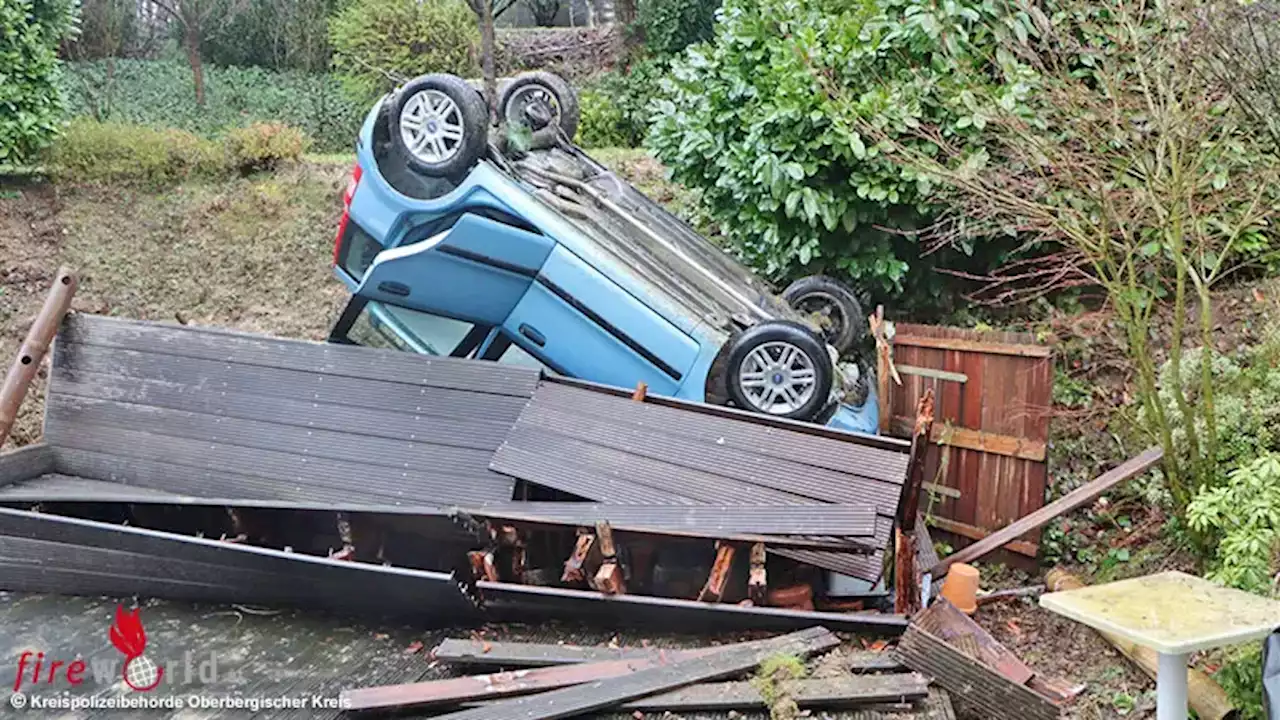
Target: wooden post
(906, 580)
(757, 581)
(348, 551)
(884, 368)
(609, 578)
(482, 565)
(578, 567)
(641, 390)
(39, 337)
(713, 591)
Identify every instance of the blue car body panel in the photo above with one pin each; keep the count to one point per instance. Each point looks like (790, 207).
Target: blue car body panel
(413, 275)
(590, 307)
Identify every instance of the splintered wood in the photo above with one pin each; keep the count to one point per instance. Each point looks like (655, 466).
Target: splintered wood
(713, 591)
(609, 578)
(585, 555)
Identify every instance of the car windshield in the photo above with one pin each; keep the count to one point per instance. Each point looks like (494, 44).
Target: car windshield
(656, 247)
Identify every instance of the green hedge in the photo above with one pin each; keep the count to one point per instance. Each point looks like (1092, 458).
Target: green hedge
(616, 105)
(92, 151)
(159, 93)
(375, 40)
(30, 104)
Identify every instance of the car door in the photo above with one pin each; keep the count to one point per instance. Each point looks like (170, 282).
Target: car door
(473, 268)
(587, 326)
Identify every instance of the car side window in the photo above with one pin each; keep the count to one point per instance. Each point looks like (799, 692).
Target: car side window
(399, 328)
(503, 350)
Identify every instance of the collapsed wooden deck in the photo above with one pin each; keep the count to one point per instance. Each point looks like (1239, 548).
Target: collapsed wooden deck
(193, 461)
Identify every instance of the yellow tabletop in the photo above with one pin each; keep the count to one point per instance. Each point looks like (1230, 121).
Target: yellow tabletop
(1171, 612)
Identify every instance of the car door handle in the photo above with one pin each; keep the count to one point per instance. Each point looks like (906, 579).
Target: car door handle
(394, 288)
(534, 336)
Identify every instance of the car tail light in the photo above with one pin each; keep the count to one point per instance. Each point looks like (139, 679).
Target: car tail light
(347, 195)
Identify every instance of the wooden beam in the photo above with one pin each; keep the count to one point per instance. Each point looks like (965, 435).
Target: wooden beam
(586, 698)
(26, 364)
(496, 653)
(909, 501)
(933, 374)
(906, 579)
(906, 588)
(1076, 498)
(978, 346)
(982, 441)
(435, 693)
(828, 693)
(1022, 547)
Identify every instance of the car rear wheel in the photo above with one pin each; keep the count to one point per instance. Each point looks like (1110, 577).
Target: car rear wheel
(440, 124)
(779, 368)
(544, 89)
(830, 305)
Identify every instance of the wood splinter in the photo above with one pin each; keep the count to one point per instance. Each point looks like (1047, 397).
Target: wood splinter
(609, 579)
(713, 591)
(577, 567)
(482, 565)
(348, 551)
(757, 581)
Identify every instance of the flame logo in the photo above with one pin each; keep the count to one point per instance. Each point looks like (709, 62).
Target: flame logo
(128, 636)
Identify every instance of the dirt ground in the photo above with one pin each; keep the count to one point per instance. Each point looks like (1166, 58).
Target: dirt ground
(254, 254)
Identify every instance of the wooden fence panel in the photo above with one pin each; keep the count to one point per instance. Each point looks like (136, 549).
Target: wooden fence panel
(987, 465)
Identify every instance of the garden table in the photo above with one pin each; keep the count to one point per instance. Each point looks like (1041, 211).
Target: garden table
(1174, 614)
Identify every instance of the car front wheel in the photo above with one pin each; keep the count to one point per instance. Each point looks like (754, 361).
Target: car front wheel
(440, 125)
(779, 368)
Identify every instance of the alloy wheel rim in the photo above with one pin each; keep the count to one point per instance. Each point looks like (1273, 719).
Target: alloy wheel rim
(778, 378)
(432, 127)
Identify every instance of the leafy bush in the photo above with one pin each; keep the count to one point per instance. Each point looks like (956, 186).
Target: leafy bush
(375, 41)
(746, 121)
(275, 34)
(616, 105)
(263, 146)
(600, 123)
(1244, 514)
(157, 93)
(30, 31)
(91, 151)
(670, 26)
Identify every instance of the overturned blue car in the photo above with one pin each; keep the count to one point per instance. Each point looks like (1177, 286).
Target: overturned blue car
(509, 243)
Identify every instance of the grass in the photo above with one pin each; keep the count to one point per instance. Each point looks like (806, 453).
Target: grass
(250, 253)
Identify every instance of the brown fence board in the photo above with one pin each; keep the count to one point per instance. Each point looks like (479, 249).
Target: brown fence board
(991, 432)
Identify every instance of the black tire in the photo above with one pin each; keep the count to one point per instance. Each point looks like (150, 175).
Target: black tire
(469, 113)
(771, 338)
(839, 315)
(540, 86)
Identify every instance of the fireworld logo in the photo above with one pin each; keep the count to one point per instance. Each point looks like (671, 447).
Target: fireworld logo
(139, 672)
(129, 637)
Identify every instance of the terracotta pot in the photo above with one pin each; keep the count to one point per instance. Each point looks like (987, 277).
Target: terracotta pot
(961, 587)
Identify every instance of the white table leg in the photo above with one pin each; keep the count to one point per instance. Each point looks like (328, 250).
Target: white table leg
(1171, 688)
